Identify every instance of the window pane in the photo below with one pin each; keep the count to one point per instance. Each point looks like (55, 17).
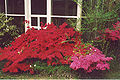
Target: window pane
(64, 7)
(60, 21)
(15, 6)
(2, 6)
(18, 21)
(39, 6)
(43, 20)
(34, 21)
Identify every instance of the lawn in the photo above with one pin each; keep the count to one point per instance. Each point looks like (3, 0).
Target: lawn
(113, 73)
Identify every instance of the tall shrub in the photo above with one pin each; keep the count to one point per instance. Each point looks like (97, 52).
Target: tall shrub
(99, 15)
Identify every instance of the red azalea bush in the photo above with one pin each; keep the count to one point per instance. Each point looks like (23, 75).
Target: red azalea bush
(53, 44)
(89, 58)
(46, 44)
(112, 34)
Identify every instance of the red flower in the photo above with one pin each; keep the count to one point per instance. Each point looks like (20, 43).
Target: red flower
(113, 34)
(94, 60)
(28, 26)
(44, 44)
(31, 71)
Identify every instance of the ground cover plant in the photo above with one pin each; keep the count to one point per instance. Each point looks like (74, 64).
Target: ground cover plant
(54, 46)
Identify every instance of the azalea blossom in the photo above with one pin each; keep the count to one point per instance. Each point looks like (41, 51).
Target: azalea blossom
(94, 60)
(45, 44)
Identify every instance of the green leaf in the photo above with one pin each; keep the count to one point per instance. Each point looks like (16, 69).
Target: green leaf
(94, 29)
(65, 41)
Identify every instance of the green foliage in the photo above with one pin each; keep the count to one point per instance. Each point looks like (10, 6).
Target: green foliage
(40, 66)
(99, 15)
(7, 31)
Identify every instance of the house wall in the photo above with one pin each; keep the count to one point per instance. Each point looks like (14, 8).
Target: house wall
(36, 11)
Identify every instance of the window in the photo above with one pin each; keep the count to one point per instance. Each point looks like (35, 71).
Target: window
(39, 7)
(59, 21)
(36, 11)
(15, 6)
(15, 9)
(2, 6)
(64, 7)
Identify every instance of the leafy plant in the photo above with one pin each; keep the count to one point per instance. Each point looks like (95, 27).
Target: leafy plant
(7, 31)
(39, 66)
(108, 40)
(45, 44)
(100, 15)
(89, 58)
(54, 45)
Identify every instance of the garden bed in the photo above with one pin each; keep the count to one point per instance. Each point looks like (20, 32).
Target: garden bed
(114, 73)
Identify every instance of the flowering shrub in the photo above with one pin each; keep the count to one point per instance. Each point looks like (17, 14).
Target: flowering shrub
(113, 34)
(89, 58)
(52, 44)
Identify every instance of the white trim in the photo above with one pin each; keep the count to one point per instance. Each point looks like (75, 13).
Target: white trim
(38, 23)
(64, 16)
(57, 16)
(15, 14)
(38, 15)
(6, 7)
(36, 27)
(79, 14)
(49, 5)
(27, 4)
(79, 9)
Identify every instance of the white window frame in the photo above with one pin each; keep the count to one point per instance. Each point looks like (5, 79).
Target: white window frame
(22, 15)
(27, 14)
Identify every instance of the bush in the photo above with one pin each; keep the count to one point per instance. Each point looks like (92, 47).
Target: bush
(89, 58)
(7, 31)
(53, 45)
(100, 15)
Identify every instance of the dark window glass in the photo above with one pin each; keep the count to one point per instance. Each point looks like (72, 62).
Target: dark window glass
(64, 7)
(34, 21)
(2, 6)
(15, 6)
(38, 6)
(18, 21)
(60, 21)
(43, 20)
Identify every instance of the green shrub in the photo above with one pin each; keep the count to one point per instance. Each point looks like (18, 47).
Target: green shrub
(7, 31)
(99, 15)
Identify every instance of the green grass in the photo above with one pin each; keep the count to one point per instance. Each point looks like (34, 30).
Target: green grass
(41, 75)
(113, 73)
